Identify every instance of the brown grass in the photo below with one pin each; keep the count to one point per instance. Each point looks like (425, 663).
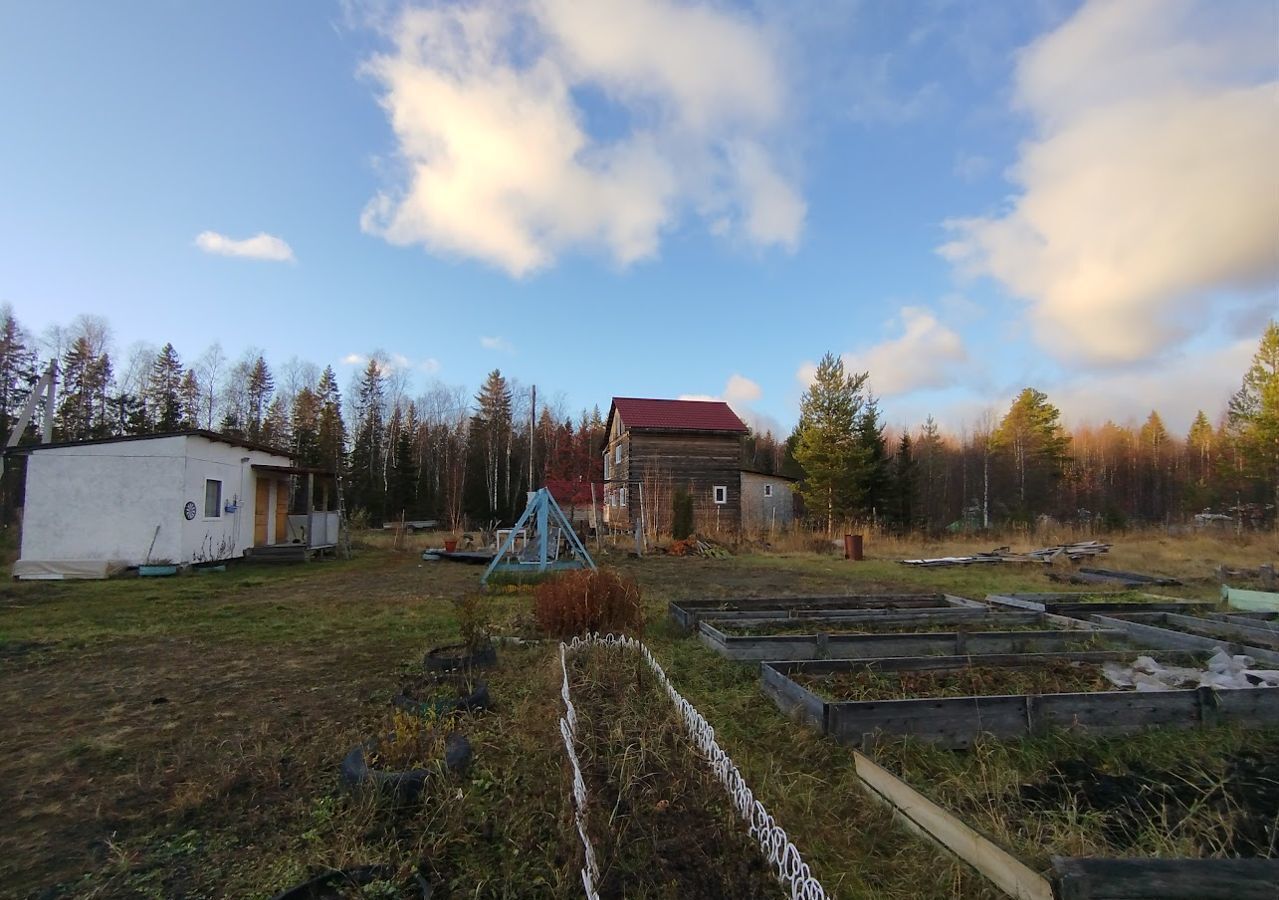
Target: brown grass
(574, 603)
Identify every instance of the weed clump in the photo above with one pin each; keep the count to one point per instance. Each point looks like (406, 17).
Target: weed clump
(583, 601)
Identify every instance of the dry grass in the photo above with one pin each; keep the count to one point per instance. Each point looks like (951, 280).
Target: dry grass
(574, 603)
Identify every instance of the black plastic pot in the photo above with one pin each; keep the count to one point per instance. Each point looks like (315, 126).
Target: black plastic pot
(336, 883)
(405, 785)
(457, 657)
(465, 695)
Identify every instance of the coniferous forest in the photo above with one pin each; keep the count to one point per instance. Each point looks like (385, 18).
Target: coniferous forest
(462, 455)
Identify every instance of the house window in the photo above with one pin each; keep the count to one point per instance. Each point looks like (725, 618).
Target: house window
(212, 499)
(621, 497)
(721, 493)
(617, 453)
(768, 490)
(606, 469)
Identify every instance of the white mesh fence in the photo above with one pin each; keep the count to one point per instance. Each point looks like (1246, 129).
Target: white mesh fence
(782, 856)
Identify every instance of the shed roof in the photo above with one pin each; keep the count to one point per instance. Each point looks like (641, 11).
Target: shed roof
(189, 432)
(676, 415)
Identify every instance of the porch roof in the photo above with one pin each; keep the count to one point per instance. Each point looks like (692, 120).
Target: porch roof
(292, 470)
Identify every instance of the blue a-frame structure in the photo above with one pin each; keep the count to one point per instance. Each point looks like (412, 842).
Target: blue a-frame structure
(541, 515)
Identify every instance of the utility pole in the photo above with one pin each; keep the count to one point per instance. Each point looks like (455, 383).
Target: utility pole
(532, 437)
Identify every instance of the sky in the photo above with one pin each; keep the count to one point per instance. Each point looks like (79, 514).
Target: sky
(661, 198)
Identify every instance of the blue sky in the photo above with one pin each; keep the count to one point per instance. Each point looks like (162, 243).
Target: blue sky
(662, 199)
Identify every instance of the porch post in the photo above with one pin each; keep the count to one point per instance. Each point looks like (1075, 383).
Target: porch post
(310, 509)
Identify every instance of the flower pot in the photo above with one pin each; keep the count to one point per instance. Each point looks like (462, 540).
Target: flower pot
(450, 546)
(153, 571)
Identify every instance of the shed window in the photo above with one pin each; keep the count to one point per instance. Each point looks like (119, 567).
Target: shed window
(721, 493)
(212, 499)
(768, 490)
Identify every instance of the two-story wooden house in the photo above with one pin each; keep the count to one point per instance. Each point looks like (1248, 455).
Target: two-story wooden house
(656, 447)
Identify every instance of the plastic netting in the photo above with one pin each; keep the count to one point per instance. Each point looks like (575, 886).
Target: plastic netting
(777, 848)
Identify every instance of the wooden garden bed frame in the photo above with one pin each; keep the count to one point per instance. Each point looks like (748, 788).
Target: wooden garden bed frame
(1058, 634)
(688, 613)
(1073, 878)
(955, 722)
(1208, 634)
(1060, 602)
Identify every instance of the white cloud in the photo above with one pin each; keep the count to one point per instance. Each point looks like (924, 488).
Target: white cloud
(971, 167)
(1176, 387)
(741, 393)
(499, 344)
(260, 246)
(392, 362)
(498, 156)
(927, 354)
(1148, 193)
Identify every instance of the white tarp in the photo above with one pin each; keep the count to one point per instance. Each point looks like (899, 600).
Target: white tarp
(1222, 671)
(58, 569)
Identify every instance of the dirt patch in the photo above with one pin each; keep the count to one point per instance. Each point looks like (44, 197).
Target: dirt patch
(662, 825)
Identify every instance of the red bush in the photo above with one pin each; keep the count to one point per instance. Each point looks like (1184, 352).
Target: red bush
(582, 601)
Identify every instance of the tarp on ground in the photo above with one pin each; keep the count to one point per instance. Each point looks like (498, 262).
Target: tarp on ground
(58, 569)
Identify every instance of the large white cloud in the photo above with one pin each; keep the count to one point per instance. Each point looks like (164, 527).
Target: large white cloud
(927, 354)
(498, 157)
(742, 393)
(1148, 195)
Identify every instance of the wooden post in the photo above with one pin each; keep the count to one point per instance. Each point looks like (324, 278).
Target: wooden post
(310, 509)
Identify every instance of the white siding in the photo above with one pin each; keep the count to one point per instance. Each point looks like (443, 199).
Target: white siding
(104, 501)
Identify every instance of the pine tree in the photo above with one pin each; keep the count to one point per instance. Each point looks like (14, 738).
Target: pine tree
(826, 444)
(1253, 419)
(873, 479)
(18, 364)
(930, 452)
(904, 486)
(1032, 439)
(275, 424)
(367, 473)
(304, 426)
(164, 390)
(86, 378)
(191, 394)
(259, 388)
(490, 433)
(330, 432)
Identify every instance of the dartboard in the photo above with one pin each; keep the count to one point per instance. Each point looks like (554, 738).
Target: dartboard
(189, 510)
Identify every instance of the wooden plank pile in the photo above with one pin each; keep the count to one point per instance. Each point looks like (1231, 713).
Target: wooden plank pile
(1074, 552)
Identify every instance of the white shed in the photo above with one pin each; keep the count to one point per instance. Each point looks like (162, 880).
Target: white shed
(181, 498)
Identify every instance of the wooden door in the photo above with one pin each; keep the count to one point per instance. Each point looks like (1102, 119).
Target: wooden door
(260, 511)
(281, 511)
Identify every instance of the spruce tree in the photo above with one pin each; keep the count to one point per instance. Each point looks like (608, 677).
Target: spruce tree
(163, 390)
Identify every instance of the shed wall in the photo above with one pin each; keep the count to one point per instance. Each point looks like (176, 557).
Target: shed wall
(766, 513)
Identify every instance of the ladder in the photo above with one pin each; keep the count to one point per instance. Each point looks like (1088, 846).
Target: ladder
(344, 533)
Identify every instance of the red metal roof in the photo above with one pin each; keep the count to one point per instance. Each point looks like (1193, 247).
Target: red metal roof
(677, 415)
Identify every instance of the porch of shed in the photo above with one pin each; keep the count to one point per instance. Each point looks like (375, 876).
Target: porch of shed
(295, 512)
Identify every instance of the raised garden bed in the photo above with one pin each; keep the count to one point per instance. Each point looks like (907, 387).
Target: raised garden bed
(687, 613)
(1070, 603)
(655, 817)
(907, 634)
(1176, 631)
(957, 721)
(1071, 816)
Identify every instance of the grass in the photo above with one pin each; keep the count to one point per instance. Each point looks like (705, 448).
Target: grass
(1050, 677)
(180, 737)
(1160, 793)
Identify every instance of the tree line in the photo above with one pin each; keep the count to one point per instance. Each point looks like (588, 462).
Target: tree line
(1026, 466)
(468, 459)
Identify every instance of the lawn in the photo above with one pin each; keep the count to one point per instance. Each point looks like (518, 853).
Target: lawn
(181, 737)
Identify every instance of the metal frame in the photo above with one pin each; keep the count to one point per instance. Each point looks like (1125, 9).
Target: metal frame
(545, 512)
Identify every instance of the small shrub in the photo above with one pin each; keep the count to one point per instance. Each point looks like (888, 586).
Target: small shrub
(583, 601)
(473, 621)
(410, 742)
